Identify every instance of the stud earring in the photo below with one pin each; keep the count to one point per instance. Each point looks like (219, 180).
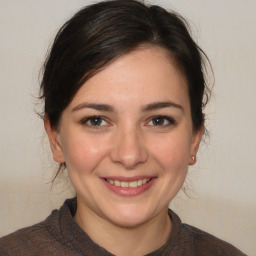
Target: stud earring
(193, 160)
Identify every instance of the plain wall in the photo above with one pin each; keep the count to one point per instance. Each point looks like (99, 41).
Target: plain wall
(222, 184)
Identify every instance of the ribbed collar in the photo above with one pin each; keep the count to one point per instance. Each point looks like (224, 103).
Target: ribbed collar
(67, 232)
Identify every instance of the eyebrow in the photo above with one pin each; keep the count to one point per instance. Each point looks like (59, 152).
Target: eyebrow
(159, 105)
(99, 107)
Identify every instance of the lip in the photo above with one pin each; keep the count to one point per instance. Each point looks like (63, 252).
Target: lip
(128, 179)
(129, 191)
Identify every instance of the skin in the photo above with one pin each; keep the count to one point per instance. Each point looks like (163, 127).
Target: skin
(128, 141)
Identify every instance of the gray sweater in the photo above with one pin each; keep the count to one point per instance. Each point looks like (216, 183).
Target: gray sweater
(60, 235)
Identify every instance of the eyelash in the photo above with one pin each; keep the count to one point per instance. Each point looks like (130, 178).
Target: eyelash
(170, 121)
(91, 118)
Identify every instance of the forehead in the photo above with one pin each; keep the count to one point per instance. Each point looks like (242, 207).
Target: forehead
(141, 75)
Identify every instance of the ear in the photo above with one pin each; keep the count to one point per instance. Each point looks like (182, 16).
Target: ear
(196, 139)
(53, 136)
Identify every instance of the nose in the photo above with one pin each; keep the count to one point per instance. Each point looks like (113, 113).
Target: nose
(129, 149)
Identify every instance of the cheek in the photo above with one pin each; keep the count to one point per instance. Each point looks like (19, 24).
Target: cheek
(173, 151)
(83, 153)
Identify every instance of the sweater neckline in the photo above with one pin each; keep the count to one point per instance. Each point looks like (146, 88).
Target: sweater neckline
(75, 238)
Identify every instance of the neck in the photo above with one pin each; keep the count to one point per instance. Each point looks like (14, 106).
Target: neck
(125, 241)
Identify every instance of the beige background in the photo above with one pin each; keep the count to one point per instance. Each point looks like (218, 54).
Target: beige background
(222, 184)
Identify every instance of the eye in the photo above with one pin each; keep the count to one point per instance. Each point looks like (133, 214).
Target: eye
(161, 121)
(94, 121)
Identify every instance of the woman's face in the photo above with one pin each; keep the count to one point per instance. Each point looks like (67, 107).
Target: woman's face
(127, 138)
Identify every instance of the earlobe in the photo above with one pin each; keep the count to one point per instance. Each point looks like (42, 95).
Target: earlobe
(53, 136)
(197, 137)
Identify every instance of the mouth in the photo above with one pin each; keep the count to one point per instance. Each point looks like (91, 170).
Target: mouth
(128, 184)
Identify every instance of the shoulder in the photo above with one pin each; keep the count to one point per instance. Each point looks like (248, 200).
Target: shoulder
(51, 237)
(28, 240)
(187, 240)
(207, 244)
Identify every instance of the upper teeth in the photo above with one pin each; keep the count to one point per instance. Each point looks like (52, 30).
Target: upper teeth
(125, 184)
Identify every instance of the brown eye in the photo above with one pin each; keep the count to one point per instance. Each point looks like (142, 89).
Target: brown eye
(161, 121)
(94, 121)
(158, 121)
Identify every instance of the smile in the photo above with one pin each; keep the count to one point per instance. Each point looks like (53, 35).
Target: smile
(126, 184)
(129, 186)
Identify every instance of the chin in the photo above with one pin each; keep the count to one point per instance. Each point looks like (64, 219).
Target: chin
(129, 217)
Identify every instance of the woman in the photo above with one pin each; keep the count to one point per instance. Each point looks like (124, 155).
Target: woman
(124, 93)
